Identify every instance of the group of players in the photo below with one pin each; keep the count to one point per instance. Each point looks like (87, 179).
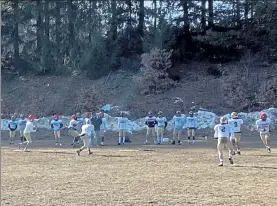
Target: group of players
(90, 127)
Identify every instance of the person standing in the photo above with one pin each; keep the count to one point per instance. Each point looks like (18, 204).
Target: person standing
(161, 126)
(122, 126)
(73, 129)
(96, 121)
(191, 125)
(263, 127)
(104, 126)
(178, 125)
(150, 122)
(224, 134)
(12, 125)
(56, 125)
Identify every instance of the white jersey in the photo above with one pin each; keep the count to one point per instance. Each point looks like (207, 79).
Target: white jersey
(73, 124)
(88, 129)
(263, 125)
(223, 130)
(191, 122)
(30, 127)
(161, 121)
(236, 124)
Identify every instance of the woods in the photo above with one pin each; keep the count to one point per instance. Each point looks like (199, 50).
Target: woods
(97, 37)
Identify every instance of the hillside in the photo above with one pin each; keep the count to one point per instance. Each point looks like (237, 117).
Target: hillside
(218, 88)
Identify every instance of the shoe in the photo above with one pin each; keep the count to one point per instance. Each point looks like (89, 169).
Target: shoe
(60, 144)
(173, 142)
(56, 143)
(146, 142)
(102, 143)
(10, 143)
(220, 164)
(90, 153)
(179, 142)
(238, 153)
(268, 150)
(78, 152)
(72, 144)
(118, 144)
(189, 142)
(193, 142)
(231, 160)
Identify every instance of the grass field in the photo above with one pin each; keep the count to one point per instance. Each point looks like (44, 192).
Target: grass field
(128, 175)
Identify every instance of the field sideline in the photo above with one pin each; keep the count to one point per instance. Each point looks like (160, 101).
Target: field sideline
(129, 175)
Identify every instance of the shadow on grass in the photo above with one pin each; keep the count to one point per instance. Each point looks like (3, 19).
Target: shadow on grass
(256, 167)
(104, 155)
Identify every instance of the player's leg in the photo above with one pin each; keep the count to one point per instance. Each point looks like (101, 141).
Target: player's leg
(179, 136)
(189, 135)
(230, 148)
(220, 147)
(237, 142)
(267, 141)
(174, 136)
(28, 141)
(56, 137)
(193, 135)
(102, 133)
(120, 136)
(147, 135)
(123, 136)
(59, 137)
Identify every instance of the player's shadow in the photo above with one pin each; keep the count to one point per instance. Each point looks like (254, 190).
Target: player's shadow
(105, 155)
(263, 155)
(257, 167)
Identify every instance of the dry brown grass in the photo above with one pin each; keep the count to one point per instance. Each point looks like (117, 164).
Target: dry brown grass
(131, 176)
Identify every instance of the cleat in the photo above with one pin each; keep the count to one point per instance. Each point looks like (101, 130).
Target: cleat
(146, 142)
(268, 150)
(238, 153)
(231, 160)
(90, 153)
(193, 142)
(220, 164)
(60, 144)
(179, 142)
(118, 144)
(78, 152)
(56, 143)
(173, 142)
(102, 143)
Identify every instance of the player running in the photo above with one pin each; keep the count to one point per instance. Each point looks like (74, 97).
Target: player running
(191, 125)
(150, 122)
(56, 125)
(263, 126)
(122, 126)
(30, 127)
(236, 123)
(12, 125)
(224, 133)
(87, 132)
(161, 126)
(178, 125)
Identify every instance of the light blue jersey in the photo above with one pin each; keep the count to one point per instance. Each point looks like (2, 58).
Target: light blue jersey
(12, 125)
(104, 124)
(80, 121)
(178, 122)
(123, 123)
(22, 124)
(191, 123)
(56, 124)
(161, 121)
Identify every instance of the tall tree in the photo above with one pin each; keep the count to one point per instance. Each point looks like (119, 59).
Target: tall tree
(203, 14)
(141, 25)
(211, 12)
(16, 35)
(114, 21)
(185, 15)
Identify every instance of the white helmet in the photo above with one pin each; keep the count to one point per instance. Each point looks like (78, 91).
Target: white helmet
(234, 114)
(223, 120)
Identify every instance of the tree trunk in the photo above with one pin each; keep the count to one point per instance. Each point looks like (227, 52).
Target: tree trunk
(238, 12)
(246, 11)
(71, 37)
(48, 60)
(211, 13)
(141, 19)
(16, 36)
(58, 32)
(155, 14)
(114, 20)
(39, 27)
(203, 14)
(185, 15)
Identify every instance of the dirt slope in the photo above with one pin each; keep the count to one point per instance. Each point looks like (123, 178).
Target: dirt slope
(236, 87)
